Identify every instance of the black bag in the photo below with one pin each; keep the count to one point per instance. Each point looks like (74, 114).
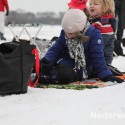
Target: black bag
(16, 64)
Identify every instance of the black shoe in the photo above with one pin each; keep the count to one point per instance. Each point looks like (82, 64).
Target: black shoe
(122, 55)
(123, 41)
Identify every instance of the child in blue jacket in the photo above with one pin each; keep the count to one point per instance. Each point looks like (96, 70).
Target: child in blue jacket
(78, 49)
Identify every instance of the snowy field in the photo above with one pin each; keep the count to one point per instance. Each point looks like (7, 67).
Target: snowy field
(102, 106)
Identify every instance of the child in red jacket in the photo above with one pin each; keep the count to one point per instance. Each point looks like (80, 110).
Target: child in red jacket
(102, 16)
(3, 6)
(79, 4)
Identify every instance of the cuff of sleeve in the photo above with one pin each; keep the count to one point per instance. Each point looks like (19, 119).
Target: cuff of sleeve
(104, 74)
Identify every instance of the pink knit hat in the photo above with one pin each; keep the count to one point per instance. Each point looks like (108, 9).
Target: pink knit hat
(77, 4)
(74, 20)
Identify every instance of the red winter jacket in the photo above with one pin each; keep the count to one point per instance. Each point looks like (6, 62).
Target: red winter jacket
(3, 5)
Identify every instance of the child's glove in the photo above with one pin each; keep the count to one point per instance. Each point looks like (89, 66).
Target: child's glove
(46, 66)
(7, 12)
(48, 73)
(112, 79)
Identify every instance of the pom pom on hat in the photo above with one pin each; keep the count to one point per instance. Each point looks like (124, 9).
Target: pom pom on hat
(77, 4)
(74, 21)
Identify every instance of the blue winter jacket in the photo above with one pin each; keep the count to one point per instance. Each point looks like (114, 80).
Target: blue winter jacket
(93, 49)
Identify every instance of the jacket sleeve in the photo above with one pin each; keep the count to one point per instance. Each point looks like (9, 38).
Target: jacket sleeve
(5, 2)
(56, 51)
(97, 54)
(113, 22)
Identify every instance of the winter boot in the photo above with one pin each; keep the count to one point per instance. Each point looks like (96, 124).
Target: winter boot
(118, 48)
(123, 42)
(2, 37)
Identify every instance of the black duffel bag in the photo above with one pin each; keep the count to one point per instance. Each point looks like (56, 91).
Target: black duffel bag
(16, 64)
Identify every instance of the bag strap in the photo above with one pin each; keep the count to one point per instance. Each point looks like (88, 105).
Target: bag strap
(37, 68)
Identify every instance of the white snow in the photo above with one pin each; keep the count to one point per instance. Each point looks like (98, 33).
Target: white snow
(102, 106)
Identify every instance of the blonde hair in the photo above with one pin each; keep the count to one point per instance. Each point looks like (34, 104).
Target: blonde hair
(108, 6)
(81, 36)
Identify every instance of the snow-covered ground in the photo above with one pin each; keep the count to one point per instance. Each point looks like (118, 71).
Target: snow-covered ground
(102, 106)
